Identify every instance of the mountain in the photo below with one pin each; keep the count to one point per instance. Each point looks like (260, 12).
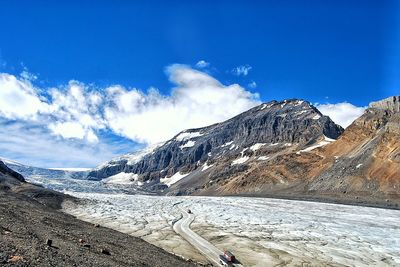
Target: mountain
(365, 161)
(362, 166)
(208, 158)
(30, 171)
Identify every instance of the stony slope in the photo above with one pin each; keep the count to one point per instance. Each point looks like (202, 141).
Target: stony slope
(29, 218)
(362, 166)
(272, 127)
(366, 158)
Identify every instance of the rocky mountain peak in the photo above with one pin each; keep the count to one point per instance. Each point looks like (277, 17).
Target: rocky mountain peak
(391, 104)
(275, 126)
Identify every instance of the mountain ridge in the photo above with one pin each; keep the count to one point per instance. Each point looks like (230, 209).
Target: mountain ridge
(276, 122)
(361, 167)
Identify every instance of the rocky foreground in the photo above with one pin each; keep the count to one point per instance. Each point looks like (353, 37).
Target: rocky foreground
(34, 233)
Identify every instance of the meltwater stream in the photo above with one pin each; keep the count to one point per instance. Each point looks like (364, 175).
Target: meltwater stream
(261, 232)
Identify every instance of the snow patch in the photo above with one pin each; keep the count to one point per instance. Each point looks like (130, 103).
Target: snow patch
(308, 149)
(257, 146)
(266, 106)
(359, 165)
(263, 158)
(205, 166)
(300, 112)
(227, 144)
(329, 139)
(173, 179)
(316, 117)
(187, 135)
(240, 160)
(121, 178)
(326, 141)
(189, 143)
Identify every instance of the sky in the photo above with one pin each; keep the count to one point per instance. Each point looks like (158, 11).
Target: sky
(81, 83)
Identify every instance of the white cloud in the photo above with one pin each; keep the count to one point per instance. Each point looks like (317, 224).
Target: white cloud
(32, 144)
(71, 112)
(253, 84)
(242, 70)
(73, 130)
(28, 76)
(65, 122)
(68, 129)
(76, 111)
(18, 99)
(341, 113)
(202, 64)
(197, 100)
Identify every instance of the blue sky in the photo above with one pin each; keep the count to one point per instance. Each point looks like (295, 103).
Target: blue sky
(126, 53)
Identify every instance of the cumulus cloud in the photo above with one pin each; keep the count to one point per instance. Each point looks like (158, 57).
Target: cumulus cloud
(341, 113)
(77, 111)
(19, 99)
(202, 64)
(242, 70)
(197, 100)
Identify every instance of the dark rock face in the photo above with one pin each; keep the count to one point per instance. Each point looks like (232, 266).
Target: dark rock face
(290, 121)
(4, 170)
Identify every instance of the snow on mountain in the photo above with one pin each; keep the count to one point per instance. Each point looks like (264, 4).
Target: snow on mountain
(121, 178)
(71, 169)
(173, 179)
(229, 147)
(240, 160)
(51, 173)
(189, 143)
(130, 158)
(187, 135)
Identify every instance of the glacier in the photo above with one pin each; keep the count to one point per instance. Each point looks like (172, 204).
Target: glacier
(260, 231)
